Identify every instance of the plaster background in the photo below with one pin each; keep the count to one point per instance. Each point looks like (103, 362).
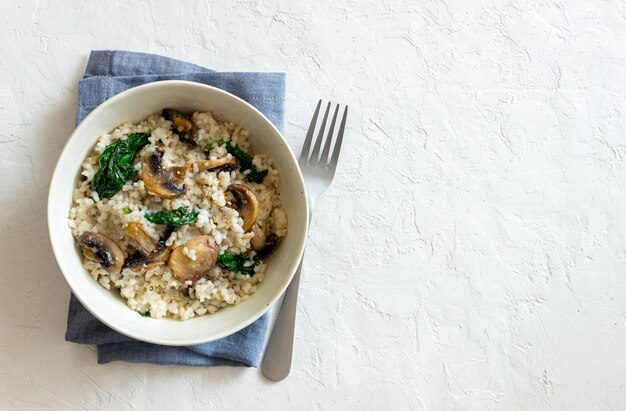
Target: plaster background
(470, 253)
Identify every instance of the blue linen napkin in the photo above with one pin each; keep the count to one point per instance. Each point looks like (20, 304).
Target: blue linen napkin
(107, 74)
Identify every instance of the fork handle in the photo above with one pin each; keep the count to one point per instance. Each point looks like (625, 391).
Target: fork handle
(277, 360)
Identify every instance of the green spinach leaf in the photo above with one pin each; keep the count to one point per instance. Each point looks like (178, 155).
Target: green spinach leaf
(116, 165)
(238, 263)
(180, 216)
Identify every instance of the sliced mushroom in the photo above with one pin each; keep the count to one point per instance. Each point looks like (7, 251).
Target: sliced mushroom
(182, 125)
(180, 171)
(134, 260)
(147, 244)
(224, 163)
(90, 255)
(268, 248)
(184, 268)
(138, 262)
(141, 261)
(263, 244)
(169, 230)
(107, 252)
(245, 203)
(160, 181)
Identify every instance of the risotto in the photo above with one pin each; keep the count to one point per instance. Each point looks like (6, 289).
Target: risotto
(177, 214)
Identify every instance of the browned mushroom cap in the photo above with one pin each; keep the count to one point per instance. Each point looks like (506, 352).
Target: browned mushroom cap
(182, 125)
(224, 163)
(102, 249)
(160, 181)
(185, 268)
(246, 203)
(147, 244)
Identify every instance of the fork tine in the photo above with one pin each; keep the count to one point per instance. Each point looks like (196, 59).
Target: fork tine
(337, 149)
(304, 155)
(329, 138)
(320, 136)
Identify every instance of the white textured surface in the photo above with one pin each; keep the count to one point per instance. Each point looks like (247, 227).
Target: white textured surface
(470, 254)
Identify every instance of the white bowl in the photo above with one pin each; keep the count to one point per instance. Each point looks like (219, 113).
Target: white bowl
(134, 105)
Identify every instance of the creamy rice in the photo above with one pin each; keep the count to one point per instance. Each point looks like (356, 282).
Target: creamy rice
(155, 290)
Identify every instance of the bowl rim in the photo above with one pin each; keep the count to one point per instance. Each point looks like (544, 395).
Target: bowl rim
(57, 177)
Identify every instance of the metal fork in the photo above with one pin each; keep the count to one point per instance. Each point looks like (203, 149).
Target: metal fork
(318, 171)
